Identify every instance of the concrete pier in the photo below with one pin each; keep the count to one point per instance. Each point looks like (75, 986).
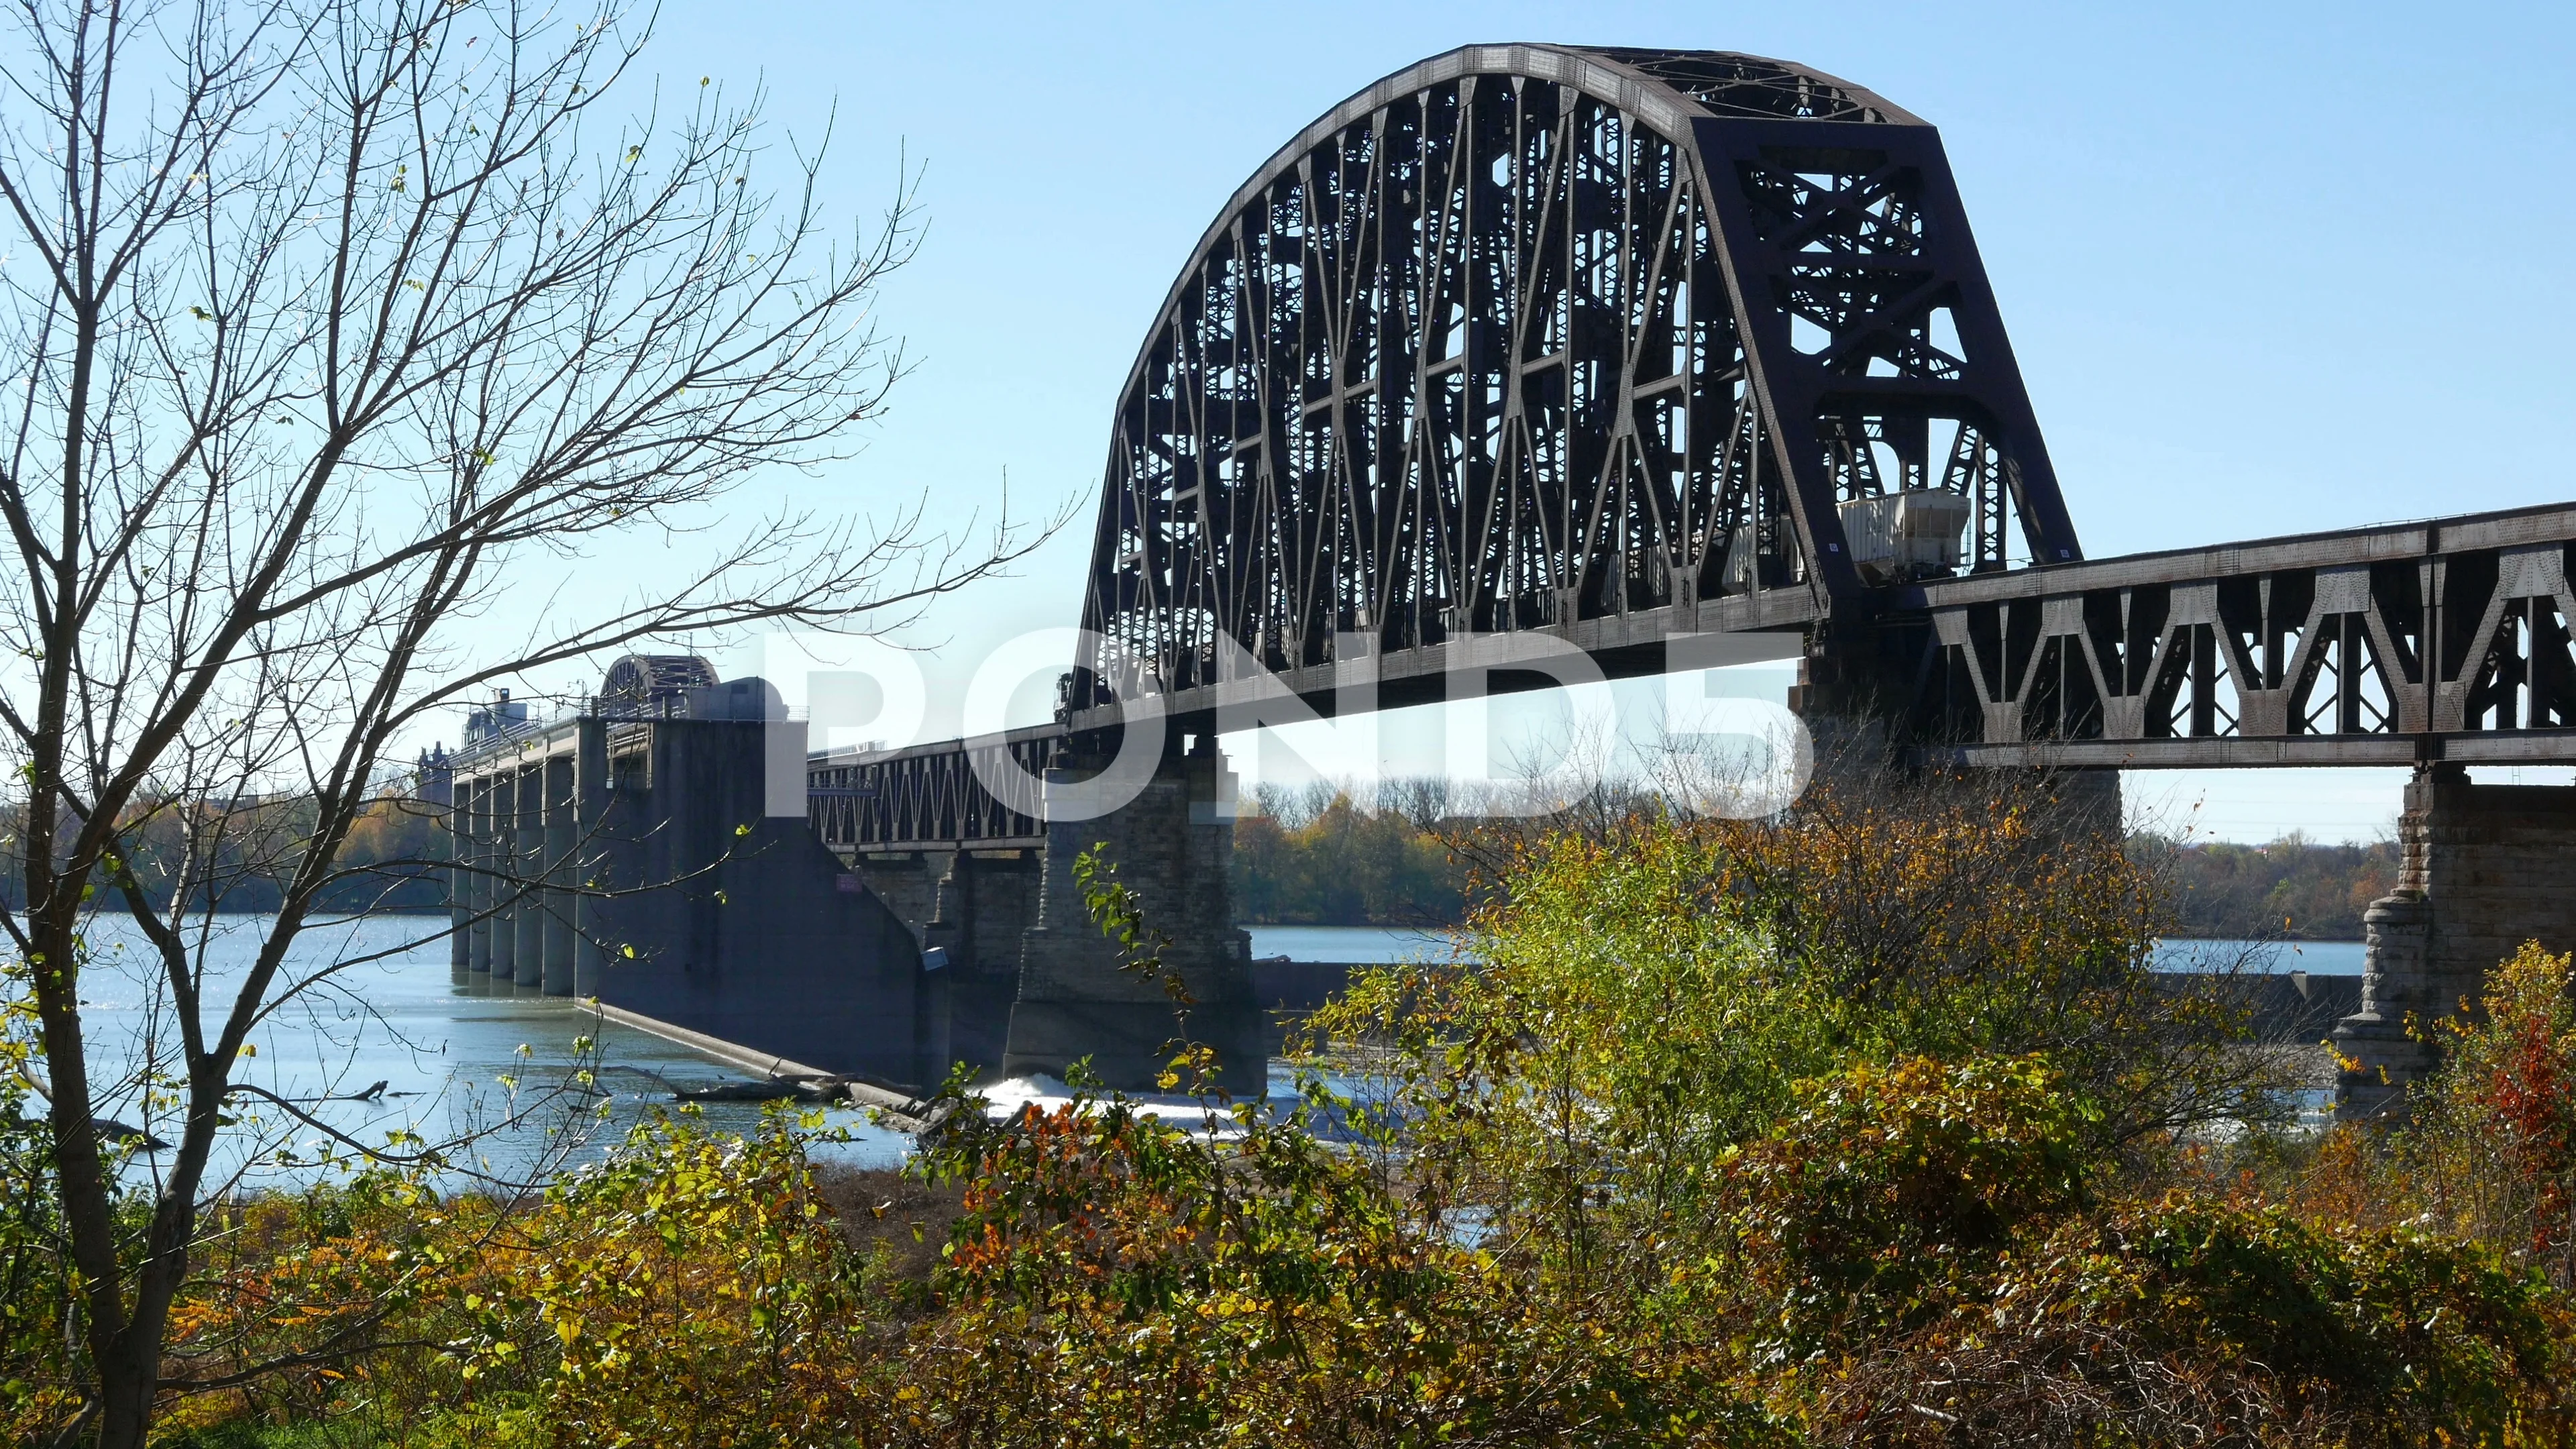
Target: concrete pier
(500, 856)
(527, 871)
(474, 807)
(554, 924)
(588, 872)
(1173, 846)
(633, 859)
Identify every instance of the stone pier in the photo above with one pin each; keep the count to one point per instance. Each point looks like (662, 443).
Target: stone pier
(971, 907)
(985, 903)
(1173, 846)
(2485, 868)
(474, 893)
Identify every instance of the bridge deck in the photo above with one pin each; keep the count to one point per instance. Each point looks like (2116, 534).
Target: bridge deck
(2443, 639)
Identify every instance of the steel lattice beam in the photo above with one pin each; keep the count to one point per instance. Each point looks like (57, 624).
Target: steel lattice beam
(1599, 344)
(2419, 641)
(1539, 338)
(933, 797)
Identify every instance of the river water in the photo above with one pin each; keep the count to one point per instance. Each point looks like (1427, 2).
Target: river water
(492, 1064)
(1370, 944)
(455, 1062)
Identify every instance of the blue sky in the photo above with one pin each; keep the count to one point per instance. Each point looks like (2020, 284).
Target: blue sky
(2268, 268)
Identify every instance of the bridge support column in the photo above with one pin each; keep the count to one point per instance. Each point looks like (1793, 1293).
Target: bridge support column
(500, 867)
(1173, 847)
(2485, 868)
(474, 810)
(555, 937)
(985, 904)
(907, 881)
(527, 870)
(451, 823)
(590, 869)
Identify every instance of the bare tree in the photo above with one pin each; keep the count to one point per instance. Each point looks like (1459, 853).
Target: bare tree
(328, 316)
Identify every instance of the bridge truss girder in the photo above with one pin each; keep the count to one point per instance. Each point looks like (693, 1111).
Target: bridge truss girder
(1527, 339)
(1538, 338)
(978, 794)
(2389, 645)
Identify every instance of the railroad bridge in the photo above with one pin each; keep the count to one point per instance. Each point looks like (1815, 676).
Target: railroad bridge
(1660, 357)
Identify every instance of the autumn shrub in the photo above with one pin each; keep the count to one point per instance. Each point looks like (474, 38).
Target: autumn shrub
(2188, 1318)
(304, 1305)
(1959, 917)
(1885, 1185)
(1577, 1083)
(1643, 1000)
(2490, 1145)
(1707, 1147)
(1880, 1111)
(1115, 1279)
(691, 1289)
(1928, 1253)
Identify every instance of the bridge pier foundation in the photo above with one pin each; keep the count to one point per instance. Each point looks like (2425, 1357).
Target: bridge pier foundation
(972, 906)
(984, 904)
(908, 882)
(1172, 846)
(2484, 869)
(528, 852)
(500, 853)
(555, 971)
(474, 811)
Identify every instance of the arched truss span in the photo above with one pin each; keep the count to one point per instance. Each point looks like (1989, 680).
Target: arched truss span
(1596, 342)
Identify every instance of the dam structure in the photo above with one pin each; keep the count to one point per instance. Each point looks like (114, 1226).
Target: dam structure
(1663, 358)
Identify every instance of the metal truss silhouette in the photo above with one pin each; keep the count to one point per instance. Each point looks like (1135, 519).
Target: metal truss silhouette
(1531, 337)
(1616, 346)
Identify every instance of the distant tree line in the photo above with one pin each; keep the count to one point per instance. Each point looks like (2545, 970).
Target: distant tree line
(1309, 855)
(243, 850)
(1315, 855)
(2292, 888)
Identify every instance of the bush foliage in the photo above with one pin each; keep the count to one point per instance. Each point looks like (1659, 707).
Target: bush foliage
(1864, 1126)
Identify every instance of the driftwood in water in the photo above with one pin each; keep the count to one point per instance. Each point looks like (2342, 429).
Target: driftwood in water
(900, 1109)
(776, 1089)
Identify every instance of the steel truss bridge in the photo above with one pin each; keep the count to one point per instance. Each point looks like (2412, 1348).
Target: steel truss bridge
(1621, 346)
